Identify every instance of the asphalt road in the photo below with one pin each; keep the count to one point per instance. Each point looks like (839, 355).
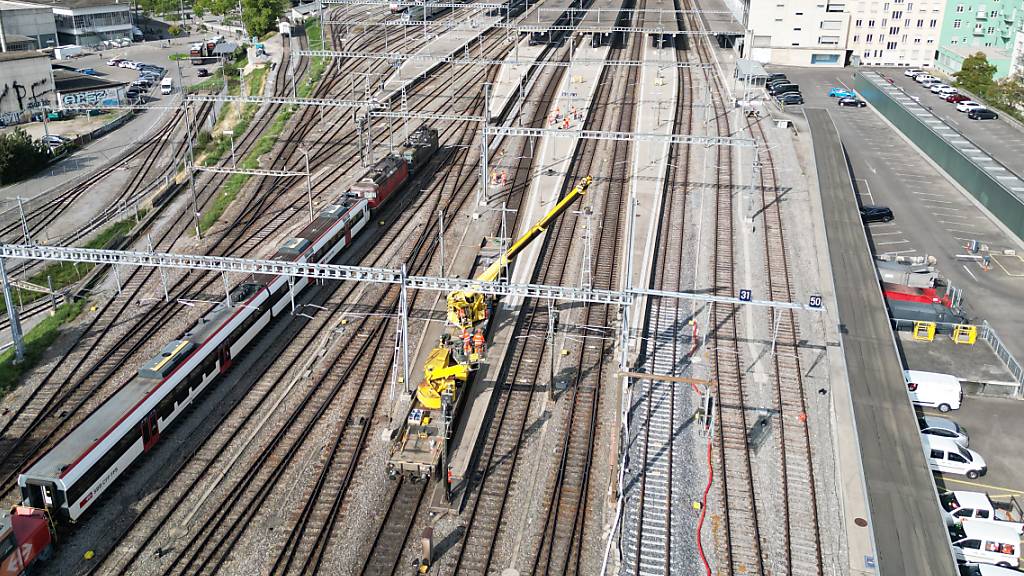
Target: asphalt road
(932, 216)
(910, 537)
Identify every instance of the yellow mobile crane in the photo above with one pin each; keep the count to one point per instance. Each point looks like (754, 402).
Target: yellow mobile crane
(420, 444)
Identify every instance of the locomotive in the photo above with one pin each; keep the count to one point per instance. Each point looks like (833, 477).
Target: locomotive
(72, 475)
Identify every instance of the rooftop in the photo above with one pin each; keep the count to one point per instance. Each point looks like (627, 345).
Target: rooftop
(72, 4)
(21, 55)
(9, 5)
(68, 81)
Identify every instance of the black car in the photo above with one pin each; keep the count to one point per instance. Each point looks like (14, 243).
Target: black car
(870, 213)
(855, 102)
(982, 114)
(791, 98)
(776, 76)
(783, 89)
(202, 72)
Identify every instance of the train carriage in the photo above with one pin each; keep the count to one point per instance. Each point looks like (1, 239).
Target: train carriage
(69, 478)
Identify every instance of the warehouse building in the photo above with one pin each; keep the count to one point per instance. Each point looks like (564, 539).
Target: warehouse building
(90, 22)
(26, 26)
(26, 85)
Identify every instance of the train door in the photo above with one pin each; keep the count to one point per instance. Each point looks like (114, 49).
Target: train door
(225, 358)
(150, 430)
(348, 234)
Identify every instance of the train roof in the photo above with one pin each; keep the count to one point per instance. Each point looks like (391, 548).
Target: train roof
(56, 463)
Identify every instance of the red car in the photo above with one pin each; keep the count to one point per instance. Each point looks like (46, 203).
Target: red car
(956, 98)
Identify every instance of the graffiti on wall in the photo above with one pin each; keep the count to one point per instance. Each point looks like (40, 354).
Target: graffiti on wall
(89, 98)
(20, 99)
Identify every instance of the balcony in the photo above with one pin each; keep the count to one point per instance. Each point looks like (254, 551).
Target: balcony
(981, 15)
(979, 31)
(1009, 16)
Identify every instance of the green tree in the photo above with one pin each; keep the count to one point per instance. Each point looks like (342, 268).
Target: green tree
(20, 157)
(161, 7)
(260, 16)
(218, 7)
(976, 74)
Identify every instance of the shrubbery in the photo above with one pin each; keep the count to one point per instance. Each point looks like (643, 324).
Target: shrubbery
(20, 156)
(975, 76)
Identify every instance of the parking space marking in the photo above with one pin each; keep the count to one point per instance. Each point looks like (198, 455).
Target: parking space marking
(983, 485)
(893, 242)
(938, 201)
(928, 194)
(968, 270)
(951, 231)
(898, 252)
(884, 233)
(963, 224)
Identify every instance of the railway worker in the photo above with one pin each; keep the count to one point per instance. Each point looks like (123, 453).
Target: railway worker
(504, 177)
(478, 342)
(467, 342)
(566, 123)
(575, 114)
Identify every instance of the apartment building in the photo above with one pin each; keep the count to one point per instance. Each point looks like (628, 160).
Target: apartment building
(895, 32)
(987, 26)
(798, 32)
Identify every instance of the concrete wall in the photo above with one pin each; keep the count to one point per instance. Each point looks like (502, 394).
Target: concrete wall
(26, 84)
(798, 33)
(895, 33)
(993, 195)
(32, 21)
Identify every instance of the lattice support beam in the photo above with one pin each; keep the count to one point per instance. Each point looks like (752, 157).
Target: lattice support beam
(474, 26)
(360, 274)
(329, 102)
(402, 57)
(250, 172)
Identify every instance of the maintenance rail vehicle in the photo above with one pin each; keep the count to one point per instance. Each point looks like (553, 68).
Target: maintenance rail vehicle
(69, 478)
(420, 443)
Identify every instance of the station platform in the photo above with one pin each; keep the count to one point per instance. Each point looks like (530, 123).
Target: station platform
(906, 531)
(545, 14)
(601, 16)
(554, 156)
(661, 14)
(513, 73)
(717, 16)
(655, 115)
(444, 45)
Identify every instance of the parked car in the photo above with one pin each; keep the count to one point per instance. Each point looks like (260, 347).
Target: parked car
(783, 89)
(937, 87)
(986, 543)
(776, 76)
(943, 427)
(202, 72)
(855, 102)
(838, 92)
(929, 83)
(967, 105)
(778, 82)
(911, 72)
(943, 93)
(142, 84)
(933, 389)
(922, 78)
(946, 456)
(115, 61)
(982, 114)
(986, 570)
(790, 98)
(956, 98)
(959, 506)
(871, 213)
(87, 71)
(54, 139)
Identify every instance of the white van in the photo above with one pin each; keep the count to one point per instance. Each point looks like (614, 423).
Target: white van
(963, 506)
(986, 570)
(986, 543)
(946, 456)
(166, 85)
(934, 389)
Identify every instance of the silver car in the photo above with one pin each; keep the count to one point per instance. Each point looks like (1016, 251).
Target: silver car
(943, 427)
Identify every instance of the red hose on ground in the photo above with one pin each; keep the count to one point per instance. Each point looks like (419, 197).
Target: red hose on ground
(703, 509)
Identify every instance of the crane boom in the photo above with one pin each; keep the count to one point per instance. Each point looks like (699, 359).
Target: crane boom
(492, 272)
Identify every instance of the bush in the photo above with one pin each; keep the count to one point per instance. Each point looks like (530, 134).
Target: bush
(20, 157)
(174, 30)
(202, 139)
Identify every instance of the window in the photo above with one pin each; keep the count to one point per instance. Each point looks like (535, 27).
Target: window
(836, 7)
(825, 58)
(897, 14)
(917, 40)
(796, 29)
(885, 7)
(920, 23)
(956, 24)
(856, 38)
(831, 25)
(933, 23)
(799, 13)
(938, 454)
(982, 514)
(994, 14)
(931, 41)
(894, 30)
(959, 8)
(858, 23)
(972, 544)
(991, 30)
(890, 46)
(954, 457)
(828, 39)
(869, 38)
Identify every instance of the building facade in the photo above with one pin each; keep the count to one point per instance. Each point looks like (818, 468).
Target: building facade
(90, 22)
(27, 20)
(798, 32)
(26, 86)
(988, 26)
(896, 32)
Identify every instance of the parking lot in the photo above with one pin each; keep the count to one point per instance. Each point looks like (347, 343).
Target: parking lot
(158, 53)
(995, 426)
(932, 216)
(1001, 139)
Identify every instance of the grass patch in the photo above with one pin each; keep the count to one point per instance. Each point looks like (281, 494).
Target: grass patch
(178, 56)
(37, 340)
(316, 65)
(64, 274)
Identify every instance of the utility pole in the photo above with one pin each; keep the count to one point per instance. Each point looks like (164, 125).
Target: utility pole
(12, 313)
(309, 184)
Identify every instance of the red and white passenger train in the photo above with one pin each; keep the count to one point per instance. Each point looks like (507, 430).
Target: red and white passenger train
(69, 478)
